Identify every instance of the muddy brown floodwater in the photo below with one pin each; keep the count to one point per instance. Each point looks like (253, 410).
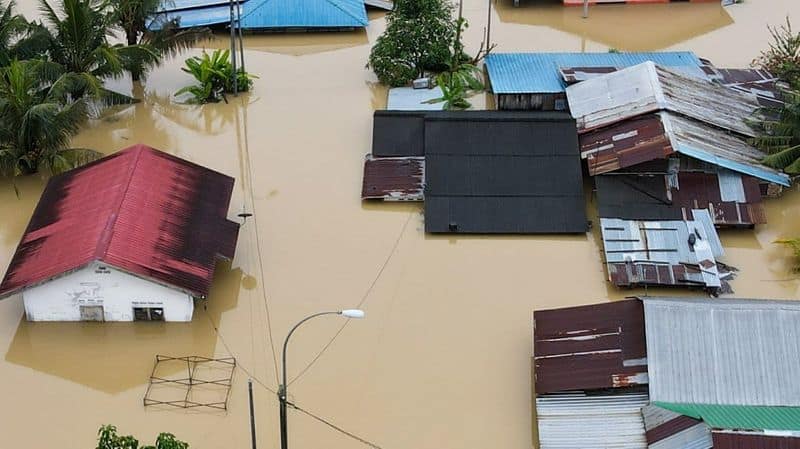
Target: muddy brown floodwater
(443, 358)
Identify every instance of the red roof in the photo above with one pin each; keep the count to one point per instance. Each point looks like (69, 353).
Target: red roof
(140, 210)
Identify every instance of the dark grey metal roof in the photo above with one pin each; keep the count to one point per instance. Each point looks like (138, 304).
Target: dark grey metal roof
(635, 197)
(398, 133)
(502, 172)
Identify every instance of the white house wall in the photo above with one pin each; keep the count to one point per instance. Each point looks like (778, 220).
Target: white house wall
(118, 293)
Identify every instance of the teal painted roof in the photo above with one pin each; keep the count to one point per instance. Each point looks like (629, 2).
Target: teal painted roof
(739, 417)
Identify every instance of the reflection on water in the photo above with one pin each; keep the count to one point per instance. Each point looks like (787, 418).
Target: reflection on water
(443, 358)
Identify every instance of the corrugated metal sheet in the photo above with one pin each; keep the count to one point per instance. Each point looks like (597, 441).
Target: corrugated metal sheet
(704, 190)
(655, 136)
(393, 178)
(176, 5)
(765, 86)
(738, 440)
(496, 172)
(723, 351)
(572, 75)
(410, 99)
(742, 417)
(139, 210)
(398, 133)
(275, 14)
(646, 88)
(526, 73)
(589, 347)
(305, 14)
(578, 420)
(635, 197)
(660, 253)
(386, 5)
(669, 430)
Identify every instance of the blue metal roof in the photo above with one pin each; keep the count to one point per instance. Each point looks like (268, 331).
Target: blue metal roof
(519, 73)
(305, 14)
(270, 14)
(747, 169)
(175, 5)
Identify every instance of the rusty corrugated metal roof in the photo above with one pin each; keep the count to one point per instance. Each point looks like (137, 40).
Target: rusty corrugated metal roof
(140, 210)
(739, 440)
(655, 136)
(589, 347)
(393, 178)
(665, 429)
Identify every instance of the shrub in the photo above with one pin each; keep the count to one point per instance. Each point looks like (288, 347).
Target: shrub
(782, 58)
(418, 38)
(215, 74)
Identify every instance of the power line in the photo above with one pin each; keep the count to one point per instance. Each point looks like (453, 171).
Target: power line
(361, 303)
(333, 426)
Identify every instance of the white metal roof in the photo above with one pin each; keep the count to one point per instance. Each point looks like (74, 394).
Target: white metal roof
(647, 88)
(575, 420)
(723, 351)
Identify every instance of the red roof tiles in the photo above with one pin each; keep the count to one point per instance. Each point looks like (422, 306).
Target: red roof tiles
(140, 210)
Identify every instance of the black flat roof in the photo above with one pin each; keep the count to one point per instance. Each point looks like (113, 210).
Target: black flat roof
(502, 172)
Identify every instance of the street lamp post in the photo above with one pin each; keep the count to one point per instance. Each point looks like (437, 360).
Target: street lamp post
(282, 389)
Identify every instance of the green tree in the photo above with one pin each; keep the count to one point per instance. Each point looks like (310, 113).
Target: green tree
(79, 33)
(418, 38)
(779, 134)
(166, 38)
(782, 58)
(215, 74)
(39, 116)
(18, 38)
(109, 439)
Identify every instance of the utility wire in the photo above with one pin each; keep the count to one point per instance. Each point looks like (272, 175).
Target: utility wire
(259, 382)
(361, 302)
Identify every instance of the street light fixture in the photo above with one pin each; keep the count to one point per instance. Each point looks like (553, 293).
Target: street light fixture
(282, 389)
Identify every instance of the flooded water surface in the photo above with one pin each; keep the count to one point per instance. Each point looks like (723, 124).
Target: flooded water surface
(443, 357)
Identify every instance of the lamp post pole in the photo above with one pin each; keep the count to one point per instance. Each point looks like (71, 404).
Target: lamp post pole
(282, 389)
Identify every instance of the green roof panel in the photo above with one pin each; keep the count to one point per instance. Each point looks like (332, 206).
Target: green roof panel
(740, 417)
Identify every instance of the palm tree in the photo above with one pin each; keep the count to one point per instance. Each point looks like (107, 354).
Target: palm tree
(79, 40)
(18, 38)
(39, 116)
(779, 134)
(167, 38)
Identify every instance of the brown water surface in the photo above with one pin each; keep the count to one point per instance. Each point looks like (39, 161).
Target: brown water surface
(443, 358)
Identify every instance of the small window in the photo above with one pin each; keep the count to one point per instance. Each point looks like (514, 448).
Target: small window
(148, 314)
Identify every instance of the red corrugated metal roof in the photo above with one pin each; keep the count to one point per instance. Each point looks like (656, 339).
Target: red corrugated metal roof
(735, 440)
(140, 210)
(589, 347)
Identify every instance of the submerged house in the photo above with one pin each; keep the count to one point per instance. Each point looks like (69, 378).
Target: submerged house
(480, 172)
(668, 373)
(662, 144)
(133, 236)
(269, 15)
(538, 81)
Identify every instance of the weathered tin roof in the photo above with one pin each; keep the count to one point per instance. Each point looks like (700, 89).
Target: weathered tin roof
(764, 85)
(579, 420)
(660, 252)
(723, 351)
(647, 88)
(666, 429)
(525, 73)
(410, 99)
(656, 136)
(393, 178)
(740, 440)
(271, 14)
(502, 172)
(140, 210)
(741, 417)
(589, 347)
(731, 199)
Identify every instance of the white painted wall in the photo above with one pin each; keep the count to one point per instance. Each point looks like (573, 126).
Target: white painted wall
(118, 293)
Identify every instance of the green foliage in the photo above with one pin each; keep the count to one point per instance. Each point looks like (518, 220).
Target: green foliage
(215, 74)
(168, 40)
(779, 134)
(18, 38)
(457, 85)
(108, 439)
(794, 245)
(782, 58)
(418, 38)
(39, 116)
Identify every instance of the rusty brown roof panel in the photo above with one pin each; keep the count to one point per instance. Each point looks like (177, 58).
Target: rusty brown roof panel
(736, 440)
(702, 191)
(625, 144)
(589, 347)
(673, 429)
(393, 178)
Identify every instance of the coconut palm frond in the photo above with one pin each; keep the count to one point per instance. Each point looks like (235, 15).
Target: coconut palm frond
(63, 160)
(782, 159)
(170, 40)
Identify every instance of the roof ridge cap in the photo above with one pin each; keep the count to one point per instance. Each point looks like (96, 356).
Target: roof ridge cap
(108, 232)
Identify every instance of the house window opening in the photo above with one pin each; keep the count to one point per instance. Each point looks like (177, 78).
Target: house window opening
(148, 314)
